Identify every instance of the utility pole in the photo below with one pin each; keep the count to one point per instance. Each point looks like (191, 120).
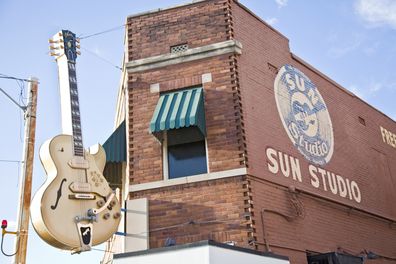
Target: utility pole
(25, 184)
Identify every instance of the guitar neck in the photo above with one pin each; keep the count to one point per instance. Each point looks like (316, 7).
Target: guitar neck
(64, 47)
(75, 111)
(71, 118)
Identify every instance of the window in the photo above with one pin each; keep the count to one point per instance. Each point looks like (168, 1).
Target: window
(185, 153)
(187, 159)
(179, 123)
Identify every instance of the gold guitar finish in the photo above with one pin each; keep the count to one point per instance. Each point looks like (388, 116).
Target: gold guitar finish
(75, 208)
(58, 226)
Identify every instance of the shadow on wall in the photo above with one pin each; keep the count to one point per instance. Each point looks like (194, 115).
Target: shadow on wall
(188, 222)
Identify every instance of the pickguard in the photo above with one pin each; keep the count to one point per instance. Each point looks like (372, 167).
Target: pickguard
(58, 194)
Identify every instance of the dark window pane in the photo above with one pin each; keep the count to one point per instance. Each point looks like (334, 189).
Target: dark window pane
(187, 159)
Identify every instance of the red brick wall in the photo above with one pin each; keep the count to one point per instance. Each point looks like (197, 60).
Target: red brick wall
(242, 121)
(197, 25)
(215, 207)
(354, 143)
(152, 34)
(325, 225)
(322, 227)
(223, 147)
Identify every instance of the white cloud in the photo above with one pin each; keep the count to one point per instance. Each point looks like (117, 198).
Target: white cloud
(281, 3)
(377, 12)
(357, 91)
(370, 90)
(375, 87)
(272, 20)
(346, 46)
(371, 49)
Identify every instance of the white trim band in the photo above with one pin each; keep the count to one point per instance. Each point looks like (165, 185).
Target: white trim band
(221, 48)
(188, 179)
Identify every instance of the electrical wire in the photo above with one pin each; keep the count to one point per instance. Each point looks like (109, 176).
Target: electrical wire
(2, 250)
(102, 32)
(11, 161)
(103, 59)
(5, 76)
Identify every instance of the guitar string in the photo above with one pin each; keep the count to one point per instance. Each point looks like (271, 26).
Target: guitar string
(74, 126)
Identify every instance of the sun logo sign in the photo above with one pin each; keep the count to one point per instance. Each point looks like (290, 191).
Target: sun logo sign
(304, 115)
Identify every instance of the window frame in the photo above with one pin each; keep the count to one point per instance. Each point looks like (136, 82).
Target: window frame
(165, 161)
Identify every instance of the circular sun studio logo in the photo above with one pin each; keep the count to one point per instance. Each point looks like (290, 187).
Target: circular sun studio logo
(304, 115)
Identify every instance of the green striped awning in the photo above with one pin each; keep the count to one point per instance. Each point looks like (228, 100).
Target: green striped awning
(115, 145)
(179, 109)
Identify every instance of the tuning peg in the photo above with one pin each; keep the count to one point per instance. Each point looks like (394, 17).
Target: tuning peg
(77, 46)
(78, 52)
(51, 41)
(54, 54)
(60, 34)
(78, 40)
(53, 48)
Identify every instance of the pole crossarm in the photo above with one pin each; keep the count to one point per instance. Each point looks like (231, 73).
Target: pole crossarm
(15, 102)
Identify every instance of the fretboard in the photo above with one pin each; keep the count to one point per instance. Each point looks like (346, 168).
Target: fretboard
(75, 111)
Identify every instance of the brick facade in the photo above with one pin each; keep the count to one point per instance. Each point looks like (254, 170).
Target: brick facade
(258, 210)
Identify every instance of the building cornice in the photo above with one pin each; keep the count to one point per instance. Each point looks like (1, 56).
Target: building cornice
(190, 179)
(164, 9)
(216, 49)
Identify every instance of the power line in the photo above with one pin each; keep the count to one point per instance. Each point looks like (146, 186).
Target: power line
(4, 76)
(11, 161)
(103, 59)
(103, 32)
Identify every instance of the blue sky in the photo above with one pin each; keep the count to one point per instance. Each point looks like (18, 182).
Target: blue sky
(353, 42)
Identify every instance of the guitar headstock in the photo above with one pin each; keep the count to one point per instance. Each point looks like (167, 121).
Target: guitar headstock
(65, 43)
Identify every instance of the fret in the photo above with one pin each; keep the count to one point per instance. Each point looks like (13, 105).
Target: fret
(72, 79)
(72, 67)
(75, 111)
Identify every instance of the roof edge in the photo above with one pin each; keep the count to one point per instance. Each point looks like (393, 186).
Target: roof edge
(165, 8)
(339, 86)
(260, 19)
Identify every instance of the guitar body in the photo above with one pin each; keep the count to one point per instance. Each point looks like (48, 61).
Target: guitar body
(73, 187)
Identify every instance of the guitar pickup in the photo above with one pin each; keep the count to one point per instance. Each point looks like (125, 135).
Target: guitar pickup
(80, 187)
(78, 163)
(82, 196)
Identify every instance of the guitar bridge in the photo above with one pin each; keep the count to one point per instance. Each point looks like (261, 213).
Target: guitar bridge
(82, 196)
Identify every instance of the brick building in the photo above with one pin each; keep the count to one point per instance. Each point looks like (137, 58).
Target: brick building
(232, 137)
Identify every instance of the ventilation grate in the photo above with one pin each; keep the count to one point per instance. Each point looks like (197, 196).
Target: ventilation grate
(179, 48)
(362, 121)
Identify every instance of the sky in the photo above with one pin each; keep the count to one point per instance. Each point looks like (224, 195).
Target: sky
(352, 42)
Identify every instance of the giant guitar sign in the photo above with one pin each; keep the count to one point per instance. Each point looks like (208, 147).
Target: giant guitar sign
(75, 208)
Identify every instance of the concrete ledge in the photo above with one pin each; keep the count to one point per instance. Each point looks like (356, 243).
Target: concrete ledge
(202, 252)
(221, 48)
(189, 179)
